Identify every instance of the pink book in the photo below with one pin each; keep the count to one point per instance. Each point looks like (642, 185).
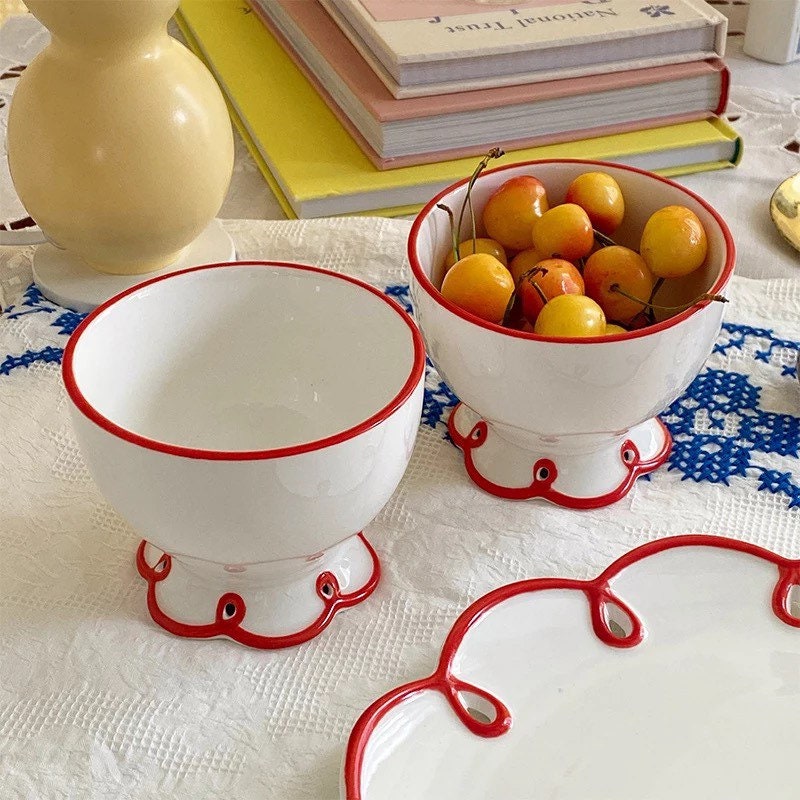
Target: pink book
(342, 77)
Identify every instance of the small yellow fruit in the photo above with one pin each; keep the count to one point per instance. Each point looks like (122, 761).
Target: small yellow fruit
(480, 284)
(613, 330)
(674, 242)
(571, 315)
(466, 248)
(563, 231)
(600, 196)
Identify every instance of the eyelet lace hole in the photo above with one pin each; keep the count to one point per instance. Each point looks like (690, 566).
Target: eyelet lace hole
(479, 708)
(628, 455)
(542, 474)
(619, 624)
(793, 601)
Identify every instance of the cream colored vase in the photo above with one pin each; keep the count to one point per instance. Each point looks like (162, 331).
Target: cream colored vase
(120, 144)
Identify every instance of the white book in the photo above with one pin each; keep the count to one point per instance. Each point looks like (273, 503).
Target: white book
(420, 42)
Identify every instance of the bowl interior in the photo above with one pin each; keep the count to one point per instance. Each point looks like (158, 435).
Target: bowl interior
(644, 194)
(244, 358)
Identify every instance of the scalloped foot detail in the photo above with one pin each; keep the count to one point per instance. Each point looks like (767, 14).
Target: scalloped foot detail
(265, 606)
(574, 472)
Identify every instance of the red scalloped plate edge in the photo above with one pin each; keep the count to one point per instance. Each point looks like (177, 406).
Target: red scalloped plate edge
(597, 591)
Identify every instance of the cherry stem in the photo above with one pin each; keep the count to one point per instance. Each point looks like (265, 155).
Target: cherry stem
(513, 313)
(602, 239)
(453, 237)
(531, 273)
(656, 286)
(495, 152)
(717, 298)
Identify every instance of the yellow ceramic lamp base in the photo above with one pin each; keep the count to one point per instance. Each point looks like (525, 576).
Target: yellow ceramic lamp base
(119, 141)
(68, 280)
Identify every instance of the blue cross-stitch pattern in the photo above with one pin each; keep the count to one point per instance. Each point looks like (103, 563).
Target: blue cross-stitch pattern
(34, 302)
(768, 345)
(49, 355)
(718, 426)
(67, 321)
(401, 293)
(439, 397)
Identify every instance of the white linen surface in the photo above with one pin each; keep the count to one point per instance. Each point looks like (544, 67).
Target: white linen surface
(98, 702)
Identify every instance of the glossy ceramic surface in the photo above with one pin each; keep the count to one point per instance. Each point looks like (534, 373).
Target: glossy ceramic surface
(248, 413)
(551, 396)
(269, 605)
(119, 141)
(784, 206)
(587, 476)
(672, 674)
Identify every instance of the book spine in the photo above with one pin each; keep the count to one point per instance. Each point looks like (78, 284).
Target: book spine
(724, 91)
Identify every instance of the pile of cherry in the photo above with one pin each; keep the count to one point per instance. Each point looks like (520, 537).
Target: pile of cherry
(556, 272)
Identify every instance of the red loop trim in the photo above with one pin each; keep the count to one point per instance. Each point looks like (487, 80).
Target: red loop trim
(597, 592)
(230, 624)
(543, 488)
(451, 687)
(600, 595)
(789, 578)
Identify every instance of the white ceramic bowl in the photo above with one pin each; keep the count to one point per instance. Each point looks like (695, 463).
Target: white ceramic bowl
(573, 421)
(248, 420)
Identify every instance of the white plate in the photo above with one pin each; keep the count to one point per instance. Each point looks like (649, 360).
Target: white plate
(674, 674)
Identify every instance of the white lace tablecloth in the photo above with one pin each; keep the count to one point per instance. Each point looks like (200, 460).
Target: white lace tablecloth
(97, 702)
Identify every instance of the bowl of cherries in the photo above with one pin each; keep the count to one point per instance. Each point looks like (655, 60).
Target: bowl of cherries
(567, 303)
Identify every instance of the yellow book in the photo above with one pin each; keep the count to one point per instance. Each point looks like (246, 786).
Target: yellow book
(317, 169)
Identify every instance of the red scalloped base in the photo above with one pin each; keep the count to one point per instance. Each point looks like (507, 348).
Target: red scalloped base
(543, 488)
(231, 608)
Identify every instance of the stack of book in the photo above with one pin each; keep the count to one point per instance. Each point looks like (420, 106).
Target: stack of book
(373, 106)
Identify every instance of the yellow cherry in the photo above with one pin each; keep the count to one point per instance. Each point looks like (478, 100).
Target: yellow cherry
(674, 242)
(571, 315)
(480, 284)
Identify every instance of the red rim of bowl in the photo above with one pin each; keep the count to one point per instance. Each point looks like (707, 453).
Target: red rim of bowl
(89, 411)
(425, 282)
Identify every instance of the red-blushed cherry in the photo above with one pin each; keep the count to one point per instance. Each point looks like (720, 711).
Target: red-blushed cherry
(600, 196)
(564, 231)
(510, 211)
(613, 268)
(674, 242)
(479, 245)
(571, 316)
(550, 278)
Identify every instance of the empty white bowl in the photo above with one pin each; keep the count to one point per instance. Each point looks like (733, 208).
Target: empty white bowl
(570, 420)
(248, 420)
